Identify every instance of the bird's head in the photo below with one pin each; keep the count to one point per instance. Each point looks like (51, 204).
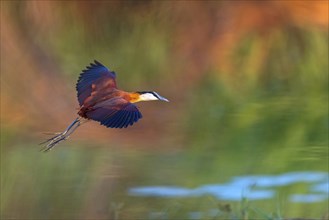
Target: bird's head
(150, 96)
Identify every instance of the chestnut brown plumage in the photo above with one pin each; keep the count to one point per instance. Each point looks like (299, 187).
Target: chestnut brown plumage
(100, 100)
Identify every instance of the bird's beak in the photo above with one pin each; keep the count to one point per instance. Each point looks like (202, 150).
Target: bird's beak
(163, 99)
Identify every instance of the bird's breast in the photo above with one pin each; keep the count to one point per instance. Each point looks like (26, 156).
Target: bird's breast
(133, 97)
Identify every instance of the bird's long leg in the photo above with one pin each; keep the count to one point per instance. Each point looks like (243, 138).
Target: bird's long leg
(61, 136)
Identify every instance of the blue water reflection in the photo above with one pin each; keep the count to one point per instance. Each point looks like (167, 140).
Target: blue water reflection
(251, 187)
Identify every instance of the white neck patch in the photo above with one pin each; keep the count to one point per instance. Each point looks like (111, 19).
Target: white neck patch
(147, 97)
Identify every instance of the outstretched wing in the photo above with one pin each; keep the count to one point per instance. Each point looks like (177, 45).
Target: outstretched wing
(96, 74)
(116, 113)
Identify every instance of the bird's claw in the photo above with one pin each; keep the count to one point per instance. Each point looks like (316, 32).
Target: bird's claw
(54, 140)
(61, 136)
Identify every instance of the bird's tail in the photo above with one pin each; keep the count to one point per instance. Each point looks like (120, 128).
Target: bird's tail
(61, 136)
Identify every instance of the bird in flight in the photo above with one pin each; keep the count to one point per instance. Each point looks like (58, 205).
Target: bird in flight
(100, 100)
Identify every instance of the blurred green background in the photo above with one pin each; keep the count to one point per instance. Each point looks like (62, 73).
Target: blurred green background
(248, 88)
